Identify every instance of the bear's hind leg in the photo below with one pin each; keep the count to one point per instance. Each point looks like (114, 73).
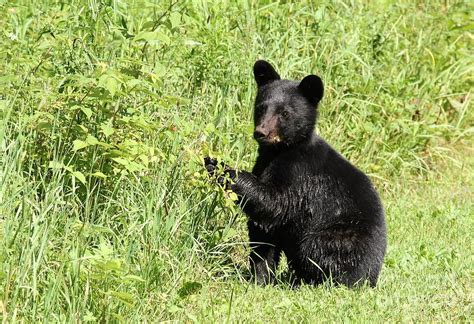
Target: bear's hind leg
(264, 255)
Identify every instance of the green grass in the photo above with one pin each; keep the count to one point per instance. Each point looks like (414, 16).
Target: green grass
(107, 108)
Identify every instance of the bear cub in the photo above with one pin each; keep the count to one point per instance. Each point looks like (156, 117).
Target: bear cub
(302, 197)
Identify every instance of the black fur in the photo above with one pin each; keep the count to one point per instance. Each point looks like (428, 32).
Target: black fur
(302, 197)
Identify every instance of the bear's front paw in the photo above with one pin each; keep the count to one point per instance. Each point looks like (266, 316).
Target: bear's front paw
(224, 175)
(211, 165)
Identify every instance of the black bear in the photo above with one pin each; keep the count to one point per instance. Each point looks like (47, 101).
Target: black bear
(303, 197)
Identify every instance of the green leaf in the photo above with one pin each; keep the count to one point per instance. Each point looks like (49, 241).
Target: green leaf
(148, 24)
(111, 85)
(83, 81)
(106, 129)
(131, 166)
(78, 144)
(83, 128)
(55, 165)
(114, 265)
(91, 140)
(121, 161)
(109, 82)
(123, 296)
(99, 174)
(233, 196)
(174, 309)
(87, 111)
(44, 125)
(145, 160)
(153, 37)
(229, 233)
(79, 176)
(175, 19)
(133, 83)
(134, 166)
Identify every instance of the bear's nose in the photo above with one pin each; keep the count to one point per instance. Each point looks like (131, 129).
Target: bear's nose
(260, 133)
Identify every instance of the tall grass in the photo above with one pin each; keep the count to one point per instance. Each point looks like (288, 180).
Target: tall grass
(107, 108)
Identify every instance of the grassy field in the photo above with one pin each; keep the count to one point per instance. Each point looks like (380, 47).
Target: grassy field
(107, 108)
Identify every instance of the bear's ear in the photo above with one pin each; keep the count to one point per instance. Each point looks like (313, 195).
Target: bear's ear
(264, 73)
(312, 88)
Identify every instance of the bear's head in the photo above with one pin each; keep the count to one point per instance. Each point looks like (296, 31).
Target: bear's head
(285, 111)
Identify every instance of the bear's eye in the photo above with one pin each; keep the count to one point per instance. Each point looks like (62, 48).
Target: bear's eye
(285, 114)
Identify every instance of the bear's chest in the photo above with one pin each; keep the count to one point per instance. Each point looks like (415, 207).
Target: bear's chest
(281, 172)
